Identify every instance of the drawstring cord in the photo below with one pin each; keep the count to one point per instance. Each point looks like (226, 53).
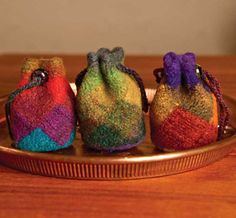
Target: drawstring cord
(129, 71)
(38, 77)
(214, 86)
(80, 77)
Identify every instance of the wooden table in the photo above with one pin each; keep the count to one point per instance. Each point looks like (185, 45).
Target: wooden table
(206, 192)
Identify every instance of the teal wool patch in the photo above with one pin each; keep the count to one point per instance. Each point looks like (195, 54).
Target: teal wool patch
(38, 141)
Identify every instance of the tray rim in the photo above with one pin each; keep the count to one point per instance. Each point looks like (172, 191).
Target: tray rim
(120, 159)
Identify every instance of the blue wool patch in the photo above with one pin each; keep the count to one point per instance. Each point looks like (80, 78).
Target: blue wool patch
(38, 141)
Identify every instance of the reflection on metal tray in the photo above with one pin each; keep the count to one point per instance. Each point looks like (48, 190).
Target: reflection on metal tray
(141, 162)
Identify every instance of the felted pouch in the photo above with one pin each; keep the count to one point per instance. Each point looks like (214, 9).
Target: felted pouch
(110, 102)
(41, 112)
(184, 112)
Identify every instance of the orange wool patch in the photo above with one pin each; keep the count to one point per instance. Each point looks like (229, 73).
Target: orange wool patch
(214, 119)
(57, 86)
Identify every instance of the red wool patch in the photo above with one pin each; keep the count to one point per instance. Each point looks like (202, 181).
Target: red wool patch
(183, 130)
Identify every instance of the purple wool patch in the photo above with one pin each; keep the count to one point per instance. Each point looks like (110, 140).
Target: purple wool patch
(58, 124)
(172, 70)
(21, 127)
(180, 69)
(188, 68)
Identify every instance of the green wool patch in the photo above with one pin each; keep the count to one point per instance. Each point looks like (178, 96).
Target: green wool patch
(92, 79)
(104, 136)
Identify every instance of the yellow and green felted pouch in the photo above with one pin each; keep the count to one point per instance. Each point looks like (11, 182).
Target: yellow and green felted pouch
(110, 102)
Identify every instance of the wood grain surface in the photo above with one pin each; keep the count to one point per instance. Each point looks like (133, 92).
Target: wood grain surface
(206, 192)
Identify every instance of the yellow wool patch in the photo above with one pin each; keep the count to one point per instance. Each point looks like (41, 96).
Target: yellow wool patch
(163, 104)
(133, 95)
(29, 65)
(53, 65)
(97, 103)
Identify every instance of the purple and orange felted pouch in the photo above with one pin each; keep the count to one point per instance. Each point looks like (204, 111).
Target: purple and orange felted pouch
(184, 112)
(40, 113)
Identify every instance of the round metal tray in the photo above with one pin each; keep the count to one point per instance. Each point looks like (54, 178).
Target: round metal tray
(141, 162)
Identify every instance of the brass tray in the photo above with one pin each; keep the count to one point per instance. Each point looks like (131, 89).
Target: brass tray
(141, 162)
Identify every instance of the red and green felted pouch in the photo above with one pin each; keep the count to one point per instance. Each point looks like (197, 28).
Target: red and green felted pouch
(184, 112)
(110, 102)
(41, 112)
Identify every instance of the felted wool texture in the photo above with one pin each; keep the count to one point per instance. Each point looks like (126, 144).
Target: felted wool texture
(43, 117)
(109, 104)
(183, 113)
